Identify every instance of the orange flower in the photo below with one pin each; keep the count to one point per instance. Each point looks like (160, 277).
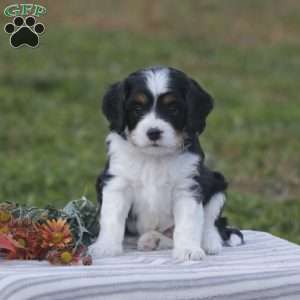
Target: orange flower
(56, 234)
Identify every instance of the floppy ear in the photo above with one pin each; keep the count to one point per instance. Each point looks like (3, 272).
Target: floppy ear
(199, 105)
(113, 106)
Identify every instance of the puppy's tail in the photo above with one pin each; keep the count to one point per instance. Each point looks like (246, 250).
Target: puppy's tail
(231, 236)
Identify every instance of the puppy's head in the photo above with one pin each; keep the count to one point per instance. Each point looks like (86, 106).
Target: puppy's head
(157, 108)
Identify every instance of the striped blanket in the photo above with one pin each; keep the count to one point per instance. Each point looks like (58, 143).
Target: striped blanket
(266, 267)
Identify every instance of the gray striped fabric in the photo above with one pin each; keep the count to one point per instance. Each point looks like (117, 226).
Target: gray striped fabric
(266, 267)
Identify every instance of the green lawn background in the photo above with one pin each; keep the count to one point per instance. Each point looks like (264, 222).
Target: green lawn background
(246, 53)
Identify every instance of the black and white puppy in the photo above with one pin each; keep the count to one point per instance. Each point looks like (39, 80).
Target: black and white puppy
(155, 178)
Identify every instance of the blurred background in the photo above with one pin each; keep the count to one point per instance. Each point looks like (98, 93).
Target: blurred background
(245, 53)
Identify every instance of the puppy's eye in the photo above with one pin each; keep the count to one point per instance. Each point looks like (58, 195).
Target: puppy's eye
(173, 109)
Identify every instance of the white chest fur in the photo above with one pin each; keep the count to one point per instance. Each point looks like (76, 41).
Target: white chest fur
(150, 181)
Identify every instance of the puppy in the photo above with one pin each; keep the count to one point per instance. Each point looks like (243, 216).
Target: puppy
(155, 178)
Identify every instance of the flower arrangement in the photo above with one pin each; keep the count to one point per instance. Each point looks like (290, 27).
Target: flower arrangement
(60, 236)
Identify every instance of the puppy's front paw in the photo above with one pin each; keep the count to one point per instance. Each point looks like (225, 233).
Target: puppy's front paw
(99, 250)
(188, 253)
(212, 243)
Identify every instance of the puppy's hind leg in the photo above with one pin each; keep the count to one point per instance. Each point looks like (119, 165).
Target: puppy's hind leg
(154, 240)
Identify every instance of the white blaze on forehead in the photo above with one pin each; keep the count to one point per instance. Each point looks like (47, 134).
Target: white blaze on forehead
(157, 81)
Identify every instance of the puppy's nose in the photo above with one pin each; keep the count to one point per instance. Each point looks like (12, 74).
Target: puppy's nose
(154, 134)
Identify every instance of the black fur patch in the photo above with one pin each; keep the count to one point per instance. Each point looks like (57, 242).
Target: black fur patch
(113, 107)
(198, 102)
(101, 181)
(226, 231)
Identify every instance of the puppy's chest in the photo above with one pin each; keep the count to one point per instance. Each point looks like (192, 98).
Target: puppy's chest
(151, 182)
(152, 195)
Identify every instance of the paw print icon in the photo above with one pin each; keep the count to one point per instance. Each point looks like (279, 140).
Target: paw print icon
(24, 32)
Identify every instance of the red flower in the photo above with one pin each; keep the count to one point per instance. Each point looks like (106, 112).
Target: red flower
(7, 243)
(28, 239)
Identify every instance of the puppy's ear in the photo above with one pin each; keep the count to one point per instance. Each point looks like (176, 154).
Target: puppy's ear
(199, 105)
(113, 106)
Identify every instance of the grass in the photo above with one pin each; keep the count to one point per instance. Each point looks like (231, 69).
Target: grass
(245, 53)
